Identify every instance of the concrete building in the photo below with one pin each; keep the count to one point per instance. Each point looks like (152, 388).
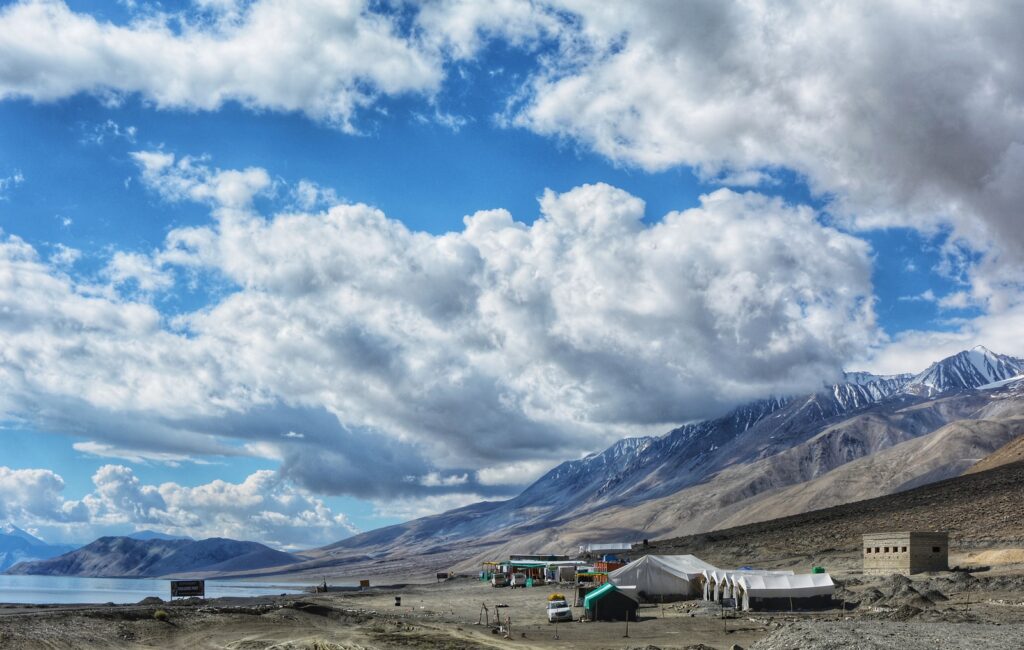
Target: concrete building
(908, 552)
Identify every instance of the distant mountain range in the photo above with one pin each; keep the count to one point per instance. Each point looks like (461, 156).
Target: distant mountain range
(866, 437)
(16, 545)
(122, 557)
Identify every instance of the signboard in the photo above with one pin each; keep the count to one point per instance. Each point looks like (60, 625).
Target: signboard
(729, 603)
(188, 588)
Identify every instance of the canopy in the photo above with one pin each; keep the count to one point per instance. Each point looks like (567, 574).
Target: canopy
(662, 575)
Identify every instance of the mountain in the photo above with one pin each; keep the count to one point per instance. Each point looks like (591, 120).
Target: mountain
(152, 534)
(864, 437)
(972, 368)
(114, 557)
(1011, 452)
(978, 510)
(16, 546)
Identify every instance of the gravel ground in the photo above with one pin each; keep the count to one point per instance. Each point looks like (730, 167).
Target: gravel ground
(872, 635)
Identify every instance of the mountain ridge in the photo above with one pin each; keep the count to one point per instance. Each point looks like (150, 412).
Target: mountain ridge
(127, 557)
(757, 449)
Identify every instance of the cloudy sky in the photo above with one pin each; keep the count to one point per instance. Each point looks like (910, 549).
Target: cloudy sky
(285, 270)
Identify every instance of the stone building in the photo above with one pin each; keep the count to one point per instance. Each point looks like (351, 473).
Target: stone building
(908, 552)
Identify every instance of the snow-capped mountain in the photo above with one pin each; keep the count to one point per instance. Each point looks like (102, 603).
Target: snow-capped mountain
(17, 545)
(865, 436)
(966, 370)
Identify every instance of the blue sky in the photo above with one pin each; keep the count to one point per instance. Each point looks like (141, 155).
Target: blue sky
(205, 337)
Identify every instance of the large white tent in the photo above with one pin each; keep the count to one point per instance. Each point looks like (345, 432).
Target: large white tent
(662, 576)
(797, 589)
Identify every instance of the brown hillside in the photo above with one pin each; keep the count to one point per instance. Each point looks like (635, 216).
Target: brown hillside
(1011, 452)
(979, 510)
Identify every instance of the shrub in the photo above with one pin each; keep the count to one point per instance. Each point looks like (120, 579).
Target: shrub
(160, 615)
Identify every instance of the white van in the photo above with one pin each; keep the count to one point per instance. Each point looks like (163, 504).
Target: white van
(518, 580)
(499, 580)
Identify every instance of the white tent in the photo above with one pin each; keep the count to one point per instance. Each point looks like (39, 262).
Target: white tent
(795, 587)
(662, 576)
(721, 583)
(731, 577)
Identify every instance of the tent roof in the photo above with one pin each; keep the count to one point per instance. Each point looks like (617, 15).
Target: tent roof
(684, 566)
(528, 565)
(774, 586)
(598, 593)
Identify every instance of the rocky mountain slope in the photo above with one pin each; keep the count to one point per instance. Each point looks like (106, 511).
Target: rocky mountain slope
(150, 558)
(1011, 452)
(16, 545)
(978, 510)
(865, 437)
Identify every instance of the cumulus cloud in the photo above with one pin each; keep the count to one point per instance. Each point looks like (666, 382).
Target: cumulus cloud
(906, 113)
(138, 270)
(326, 60)
(262, 507)
(34, 495)
(406, 361)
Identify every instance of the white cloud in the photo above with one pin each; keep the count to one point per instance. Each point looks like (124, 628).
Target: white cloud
(33, 495)
(262, 507)
(139, 270)
(7, 183)
(102, 450)
(309, 195)
(327, 59)
(189, 179)
(64, 256)
(99, 133)
(907, 113)
(398, 353)
(517, 473)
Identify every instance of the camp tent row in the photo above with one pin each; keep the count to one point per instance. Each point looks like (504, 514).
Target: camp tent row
(672, 577)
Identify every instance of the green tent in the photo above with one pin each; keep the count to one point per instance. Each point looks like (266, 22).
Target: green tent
(608, 603)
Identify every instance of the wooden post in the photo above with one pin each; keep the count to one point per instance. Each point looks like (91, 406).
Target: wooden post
(627, 626)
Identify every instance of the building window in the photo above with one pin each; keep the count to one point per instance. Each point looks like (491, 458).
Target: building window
(904, 549)
(878, 550)
(936, 549)
(867, 550)
(886, 549)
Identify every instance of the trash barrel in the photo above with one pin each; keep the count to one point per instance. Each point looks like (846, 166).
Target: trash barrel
(398, 601)
(817, 569)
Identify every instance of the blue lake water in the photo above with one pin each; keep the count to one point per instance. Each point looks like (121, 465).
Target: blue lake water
(41, 590)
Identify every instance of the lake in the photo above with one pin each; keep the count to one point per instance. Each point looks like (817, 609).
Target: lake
(41, 590)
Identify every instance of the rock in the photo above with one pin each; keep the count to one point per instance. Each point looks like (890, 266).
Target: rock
(152, 600)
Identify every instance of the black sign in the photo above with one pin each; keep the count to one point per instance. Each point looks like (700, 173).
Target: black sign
(729, 602)
(187, 588)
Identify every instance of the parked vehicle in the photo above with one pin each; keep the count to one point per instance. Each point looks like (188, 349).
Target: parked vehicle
(518, 580)
(499, 580)
(559, 610)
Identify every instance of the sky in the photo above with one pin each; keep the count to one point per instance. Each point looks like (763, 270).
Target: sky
(292, 270)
